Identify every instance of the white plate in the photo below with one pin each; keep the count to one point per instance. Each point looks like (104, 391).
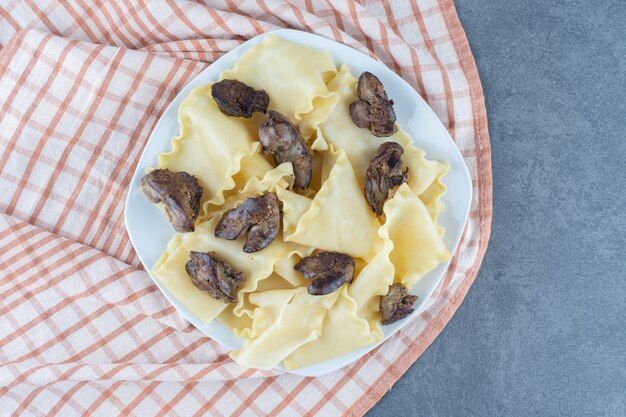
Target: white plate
(150, 231)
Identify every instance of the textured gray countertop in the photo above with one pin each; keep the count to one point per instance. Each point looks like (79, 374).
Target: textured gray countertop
(543, 329)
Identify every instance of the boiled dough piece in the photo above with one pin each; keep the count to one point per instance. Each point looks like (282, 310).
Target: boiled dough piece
(283, 321)
(343, 332)
(169, 270)
(360, 145)
(252, 166)
(239, 324)
(339, 218)
(322, 108)
(272, 180)
(293, 76)
(431, 198)
(210, 145)
(417, 245)
(372, 282)
(286, 270)
(294, 206)
(279, 177)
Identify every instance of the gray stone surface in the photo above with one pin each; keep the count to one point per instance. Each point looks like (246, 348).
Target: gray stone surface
(542, 331)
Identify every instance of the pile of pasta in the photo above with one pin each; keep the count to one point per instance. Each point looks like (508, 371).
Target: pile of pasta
(274, 314)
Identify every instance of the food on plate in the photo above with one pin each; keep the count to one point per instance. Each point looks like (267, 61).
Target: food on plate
(397, 304)
(211, 274)
(259, 217)
(281, 139)
(179, 192)
(385, 172)
(325, 262)
(373, 110)
(210, 146)
(327, 271)
(235, 98)
(418, 246)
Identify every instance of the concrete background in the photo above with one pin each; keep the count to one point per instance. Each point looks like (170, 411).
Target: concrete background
(542, 331)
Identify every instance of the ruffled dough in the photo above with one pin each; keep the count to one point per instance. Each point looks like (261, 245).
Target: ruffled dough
(431, 197)
(272, 180)
(373, 281)
(239, 324)
(283, 321)
(342, 333)
(417, 245)
(293, 77)
(322, 108)
(210, 145)
(285, 269)
(339, 218)
(294, 206)
(252, 166)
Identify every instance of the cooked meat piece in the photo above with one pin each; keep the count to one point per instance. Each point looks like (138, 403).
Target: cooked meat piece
(382, 119)
(370, 88)
(360, 113)
(282, 139)
(257, 216)
(384, 172)
(397, 304)
(209, 273)
(327, 271)
(179, 191)
(373, 110)
(235, 98)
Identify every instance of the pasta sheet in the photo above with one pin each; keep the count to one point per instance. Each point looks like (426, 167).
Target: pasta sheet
(283, 321)
(338, 218)
(293, 77)
(342, 332)
(417, 244)
(201, 149)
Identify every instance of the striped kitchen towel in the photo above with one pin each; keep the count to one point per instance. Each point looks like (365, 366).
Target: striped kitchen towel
(84, 330)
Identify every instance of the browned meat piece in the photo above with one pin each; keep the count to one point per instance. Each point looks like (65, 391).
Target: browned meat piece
(179, 191)
(235, 98)
(360, 113)
(211, 274)
(373, 109)
(397, 304)
(384, 172)
(257, 216)
(382, 119)
(327, 271)
(370, 88)
(282, 139)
